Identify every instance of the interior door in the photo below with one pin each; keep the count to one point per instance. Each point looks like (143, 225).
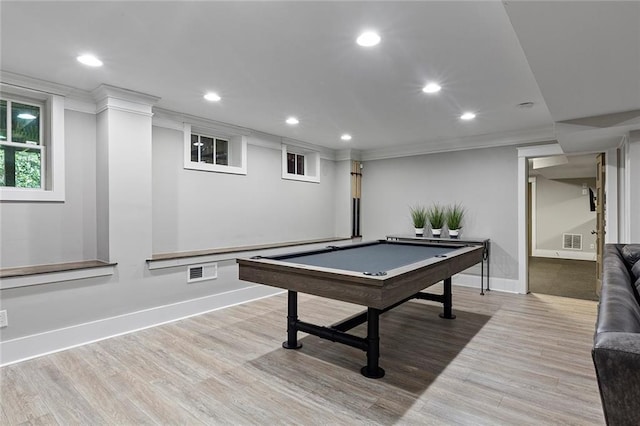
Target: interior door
(600, 222)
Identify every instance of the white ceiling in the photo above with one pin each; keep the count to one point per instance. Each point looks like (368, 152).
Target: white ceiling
(269, 60)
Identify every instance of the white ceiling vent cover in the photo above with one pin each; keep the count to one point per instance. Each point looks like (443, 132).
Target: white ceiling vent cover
(204, 272)
(572, 241)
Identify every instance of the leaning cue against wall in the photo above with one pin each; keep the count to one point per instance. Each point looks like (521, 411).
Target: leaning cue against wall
(356, 194)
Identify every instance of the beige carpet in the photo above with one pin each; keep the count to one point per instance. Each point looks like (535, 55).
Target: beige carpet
(563, 277)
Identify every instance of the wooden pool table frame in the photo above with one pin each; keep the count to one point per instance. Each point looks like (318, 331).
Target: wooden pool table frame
(379, 293)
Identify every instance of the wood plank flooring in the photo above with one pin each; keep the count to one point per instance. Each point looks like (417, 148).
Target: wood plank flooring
(506, 359)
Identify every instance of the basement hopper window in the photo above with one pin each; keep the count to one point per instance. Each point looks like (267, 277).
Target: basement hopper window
(300, 164)
(207, 151)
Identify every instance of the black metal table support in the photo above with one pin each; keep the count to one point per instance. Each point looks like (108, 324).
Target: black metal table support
(292, 319)
(370, 344)
(447, 314)
(372, 370)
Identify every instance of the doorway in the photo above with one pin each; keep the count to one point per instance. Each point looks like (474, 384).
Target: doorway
(563, 226)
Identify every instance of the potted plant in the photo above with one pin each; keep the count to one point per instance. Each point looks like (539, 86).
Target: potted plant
(455, 214)
(436, 218)
(419, 219)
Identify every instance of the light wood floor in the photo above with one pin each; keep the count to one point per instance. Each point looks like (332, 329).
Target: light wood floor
(506, 359)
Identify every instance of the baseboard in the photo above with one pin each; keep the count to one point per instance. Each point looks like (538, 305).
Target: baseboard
(564, 254)
(28, 347)
(497, 284)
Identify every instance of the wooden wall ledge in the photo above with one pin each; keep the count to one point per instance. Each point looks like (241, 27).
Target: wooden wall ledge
(56, 272)
(230, 250)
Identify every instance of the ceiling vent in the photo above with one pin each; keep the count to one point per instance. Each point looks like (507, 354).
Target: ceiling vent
(204, 272)
(572, 241)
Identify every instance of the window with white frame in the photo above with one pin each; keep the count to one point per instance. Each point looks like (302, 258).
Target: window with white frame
(21, 144)
(295, 163)
(300, 164)
(31, 145)
(206, 151)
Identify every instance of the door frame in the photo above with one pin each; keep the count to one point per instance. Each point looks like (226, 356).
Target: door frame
(546, 150)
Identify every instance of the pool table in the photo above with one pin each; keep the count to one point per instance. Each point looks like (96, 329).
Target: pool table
(379, 275)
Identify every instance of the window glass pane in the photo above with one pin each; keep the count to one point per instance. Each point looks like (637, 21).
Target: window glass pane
(3, 120)
(195, 145)
(206, 150)
(222, 152)
(25, 123)
(2, 179)
(291, 163)
(300, 165)
(28, 169)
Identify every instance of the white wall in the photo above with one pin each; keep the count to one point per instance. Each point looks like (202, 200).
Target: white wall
(190, 210)
(483, 180)
(194, 210)
(562, 208)
(54, 232)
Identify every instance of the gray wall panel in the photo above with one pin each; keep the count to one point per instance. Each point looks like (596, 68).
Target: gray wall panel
(483, 180)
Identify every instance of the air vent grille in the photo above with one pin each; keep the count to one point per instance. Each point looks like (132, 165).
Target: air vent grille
(572, 241)
(204, 272)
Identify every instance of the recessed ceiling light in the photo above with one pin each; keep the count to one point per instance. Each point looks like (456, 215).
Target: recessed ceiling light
(431, 88)
(26, 116)
(468, 116)
(368, 39)
(346, 137)
(213, 97)
(525, 105)
(89, 60)
(292, 121)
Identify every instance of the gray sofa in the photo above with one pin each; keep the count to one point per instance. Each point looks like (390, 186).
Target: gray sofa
(616, 346)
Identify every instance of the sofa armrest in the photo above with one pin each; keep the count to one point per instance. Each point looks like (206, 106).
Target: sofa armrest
(616, 357)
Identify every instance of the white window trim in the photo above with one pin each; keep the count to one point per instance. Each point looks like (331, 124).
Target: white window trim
(308, 156)
(53, 147)
(218, 168)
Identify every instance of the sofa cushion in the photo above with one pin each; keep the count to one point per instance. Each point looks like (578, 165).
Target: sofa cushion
(635, 270)
(631, 254)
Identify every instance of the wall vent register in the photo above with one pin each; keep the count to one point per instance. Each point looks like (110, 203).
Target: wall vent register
(203, 272)
(572, 241)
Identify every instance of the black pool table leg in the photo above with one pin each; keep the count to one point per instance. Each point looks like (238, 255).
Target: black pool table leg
(372, 370)
(447, 300)
(292, 319)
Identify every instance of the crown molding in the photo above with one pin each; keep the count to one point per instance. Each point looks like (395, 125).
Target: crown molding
(118, 98)
(461, 144)
(173, 120)
(74, 99)
(30, 83)
(348, 154)
(325, 153)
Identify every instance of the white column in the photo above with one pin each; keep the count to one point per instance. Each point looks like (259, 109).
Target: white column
(123, 169)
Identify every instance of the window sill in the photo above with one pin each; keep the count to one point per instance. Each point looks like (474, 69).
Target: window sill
(46, 274)
(170, 260)
(37, 195)
(216, 168)
(301, 178)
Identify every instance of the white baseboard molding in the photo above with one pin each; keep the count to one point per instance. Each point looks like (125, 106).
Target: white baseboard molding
(497, 284)
(564, 254)
(28, 347)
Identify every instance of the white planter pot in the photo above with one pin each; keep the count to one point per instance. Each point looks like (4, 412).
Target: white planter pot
(419, 231)
(454, 233)
(436, 232)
